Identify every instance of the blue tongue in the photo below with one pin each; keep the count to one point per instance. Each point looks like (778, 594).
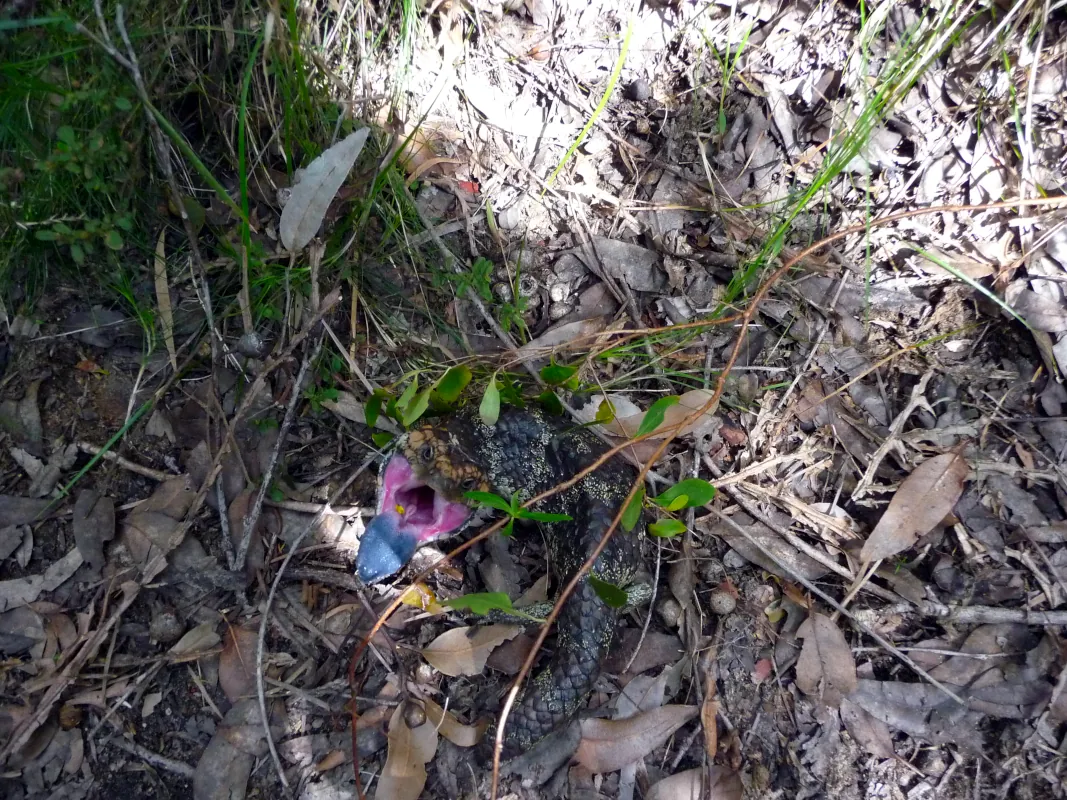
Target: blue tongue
(384, 549)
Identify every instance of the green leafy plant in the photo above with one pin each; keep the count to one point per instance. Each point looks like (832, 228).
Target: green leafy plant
(614, 596)
(653, 418)
(666, 528)
(560, 375)
(482, 603)
(513, 509)
(689, 493)
(489, 409)
(317, 395)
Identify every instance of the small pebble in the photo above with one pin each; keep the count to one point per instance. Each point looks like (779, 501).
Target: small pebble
(527, 286)
(558, 311)
(166, 626)
(722, 602)
(639, 90)
(502, 292)
(733, 560)
(414, 715)
(253, 345)
(670, 611)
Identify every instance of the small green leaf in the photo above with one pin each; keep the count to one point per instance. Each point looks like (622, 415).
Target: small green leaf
(511, 392)
(678, 503)
(654, 416)
(373, 409)
(605, 412)
(508, 529)
(481, 603)
(608, 592)
(408, 394)
(62, 228)
(77, 253)
(45, 235)
(381, 438)
(666, 528)
(696, 492)
(550, 402)
(453, 383)
(489, 499)
(632, 513)
(722, 122)
(418, 407)
(541, 516)
(122, 104)
(391, 409)
(489, 410)
(556, 374)
(113, 239)
(65, 134)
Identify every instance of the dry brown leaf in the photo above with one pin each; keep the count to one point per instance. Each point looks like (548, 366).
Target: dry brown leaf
(686, 405)
(656, 650)
(20, 591)
(173, 497)
(166, 313)
(21, 510)
(709, 714)
(510, 656)
(311, 196)
(825, 668)
(346, 405)
(410, 750)
(451, 728)
(608, 745)
(456, 653)
(872, 734)
(723, 784)
(94, 526)
(200, 639)
(237, 664)
(925, 498)
(566, 333)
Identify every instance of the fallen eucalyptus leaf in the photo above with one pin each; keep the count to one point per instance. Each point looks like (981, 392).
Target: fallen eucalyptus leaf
(925, 498)
(311, 196)
(455, 653)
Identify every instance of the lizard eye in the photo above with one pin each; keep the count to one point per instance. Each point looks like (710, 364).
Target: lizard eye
(426, 453)
(469, 484)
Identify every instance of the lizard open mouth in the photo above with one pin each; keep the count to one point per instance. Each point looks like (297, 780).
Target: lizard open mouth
(410, 513)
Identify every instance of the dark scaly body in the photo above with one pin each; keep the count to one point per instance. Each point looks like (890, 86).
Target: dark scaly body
(529, 453)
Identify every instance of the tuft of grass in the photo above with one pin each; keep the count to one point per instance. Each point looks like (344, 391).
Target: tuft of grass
(72, 174)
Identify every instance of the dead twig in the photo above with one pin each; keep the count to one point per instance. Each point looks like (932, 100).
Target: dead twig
(252, 517)
(156, 760)
(125, 463)
(917, 400)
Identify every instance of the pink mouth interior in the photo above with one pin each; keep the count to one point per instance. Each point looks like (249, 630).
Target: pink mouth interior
(423, 511)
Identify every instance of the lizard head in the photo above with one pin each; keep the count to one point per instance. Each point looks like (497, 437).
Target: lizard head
(420, 499)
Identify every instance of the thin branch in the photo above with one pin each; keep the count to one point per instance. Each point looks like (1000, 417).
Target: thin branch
(252, 517)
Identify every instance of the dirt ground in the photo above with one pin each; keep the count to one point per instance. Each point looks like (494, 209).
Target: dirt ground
(834, 232)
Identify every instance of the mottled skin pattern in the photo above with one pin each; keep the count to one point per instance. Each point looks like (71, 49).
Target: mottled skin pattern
(529, 453)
